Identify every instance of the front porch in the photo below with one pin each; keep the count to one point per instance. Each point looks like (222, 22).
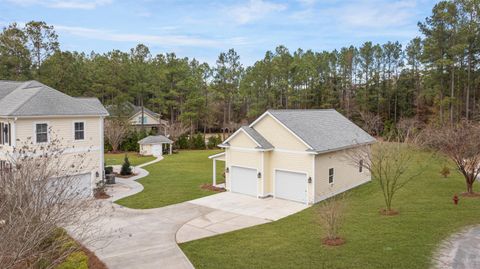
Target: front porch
(218, 172)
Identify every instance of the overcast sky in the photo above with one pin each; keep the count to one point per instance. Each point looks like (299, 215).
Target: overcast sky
(203, 29)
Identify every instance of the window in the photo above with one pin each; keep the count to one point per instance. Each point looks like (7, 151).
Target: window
(330, 175)
(79, 130)
(41, 132)
(144, 119)
(360, 166)
(5, 130)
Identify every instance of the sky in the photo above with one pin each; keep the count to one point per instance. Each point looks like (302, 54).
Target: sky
(204, 29)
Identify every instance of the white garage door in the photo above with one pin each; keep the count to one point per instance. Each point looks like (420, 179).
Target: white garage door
(157, 150)
(243, 180)
(80, 185)
(291, 185)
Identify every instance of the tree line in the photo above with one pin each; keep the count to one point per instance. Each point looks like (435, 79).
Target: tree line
(434, 78)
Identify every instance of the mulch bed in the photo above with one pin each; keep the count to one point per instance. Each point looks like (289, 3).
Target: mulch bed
(333, 242)
(93, 261)
(389, 213)
(126, 176)
(101, 195)
(210, 187)
(472, 195)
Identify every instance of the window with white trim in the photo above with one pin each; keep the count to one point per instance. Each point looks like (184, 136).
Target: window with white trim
(41, 132)
(144, 119)
(5, 133)
(79, 130)
(330, 175)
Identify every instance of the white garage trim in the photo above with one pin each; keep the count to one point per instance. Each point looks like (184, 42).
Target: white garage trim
(275, 184)
(246, 168)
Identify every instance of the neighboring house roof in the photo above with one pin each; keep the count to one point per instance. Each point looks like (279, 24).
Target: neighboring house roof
(322, 129)
(133, 110)
(157, 139)
(32, 98)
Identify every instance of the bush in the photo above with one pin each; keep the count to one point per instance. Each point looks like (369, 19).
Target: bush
(213, 141)
(445, 172)
(126, 168)
(131, 141)
(76, 260)
(197, 142)
(182, 142)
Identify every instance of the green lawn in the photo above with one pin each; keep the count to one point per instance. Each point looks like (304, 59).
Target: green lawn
(175, 179)
(427, 215)
(133, 157)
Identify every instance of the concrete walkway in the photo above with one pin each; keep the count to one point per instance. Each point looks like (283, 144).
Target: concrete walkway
(461, 251)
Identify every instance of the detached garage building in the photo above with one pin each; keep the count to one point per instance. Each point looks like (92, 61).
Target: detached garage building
(299, 155)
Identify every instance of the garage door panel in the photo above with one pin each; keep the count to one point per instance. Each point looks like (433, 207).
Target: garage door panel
(291, 185)
(76, 186)
(243, 180)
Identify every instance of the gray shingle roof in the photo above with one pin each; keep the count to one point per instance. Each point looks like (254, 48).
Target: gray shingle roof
(157, 139)
(323, 129)
(32, 98)
(264, 144)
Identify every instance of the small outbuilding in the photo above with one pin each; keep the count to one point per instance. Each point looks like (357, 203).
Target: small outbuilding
(154, 145)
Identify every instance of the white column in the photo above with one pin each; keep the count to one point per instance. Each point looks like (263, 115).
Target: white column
(214, 176)
(170, 150)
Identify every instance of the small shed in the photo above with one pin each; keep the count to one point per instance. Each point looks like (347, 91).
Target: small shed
(154, 145)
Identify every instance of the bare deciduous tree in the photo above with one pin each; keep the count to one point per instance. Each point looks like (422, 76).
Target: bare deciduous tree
(407, 129)
(38, 196)
(461, 143)
(176, 129)
(372, 123)
(391, 165)
(331, 217)
(116, 129)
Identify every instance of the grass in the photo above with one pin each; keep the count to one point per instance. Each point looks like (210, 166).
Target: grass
(133, 157)
(175, 179)
(408, 240)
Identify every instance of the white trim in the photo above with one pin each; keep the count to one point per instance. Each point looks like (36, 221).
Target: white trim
(291, 171)
(214, 156)
(102, 148)
(84, 130)
(13, 133)
(326, 196)
(248, 149)
(295, 151)
(245, 132)
(35, 132)
(262, 178)
(314, 180)
(278, 121)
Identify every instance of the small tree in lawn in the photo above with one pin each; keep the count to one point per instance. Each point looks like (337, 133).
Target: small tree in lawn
(116, 129)
(331, 216)
(461, 143)
(391, 165)
(126, 168)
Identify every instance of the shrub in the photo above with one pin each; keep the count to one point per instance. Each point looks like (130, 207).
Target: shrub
(126, 168)
(445, 172)
(182, 142)
(76, 260)
(213, 141)
(197, 142)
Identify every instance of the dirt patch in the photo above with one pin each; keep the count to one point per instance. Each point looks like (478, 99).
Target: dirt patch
(210, 187)
(333, 242)
(391, 212)
(101, 195)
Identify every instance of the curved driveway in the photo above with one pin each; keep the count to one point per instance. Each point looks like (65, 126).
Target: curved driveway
(461, 251)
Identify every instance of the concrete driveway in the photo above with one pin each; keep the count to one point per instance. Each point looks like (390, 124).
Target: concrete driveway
(148, 238)
(233, 212)
(461, 251)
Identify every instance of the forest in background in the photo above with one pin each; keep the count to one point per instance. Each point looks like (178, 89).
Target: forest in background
(390, 89)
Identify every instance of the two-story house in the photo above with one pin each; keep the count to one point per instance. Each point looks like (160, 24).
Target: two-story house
(31, 112)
